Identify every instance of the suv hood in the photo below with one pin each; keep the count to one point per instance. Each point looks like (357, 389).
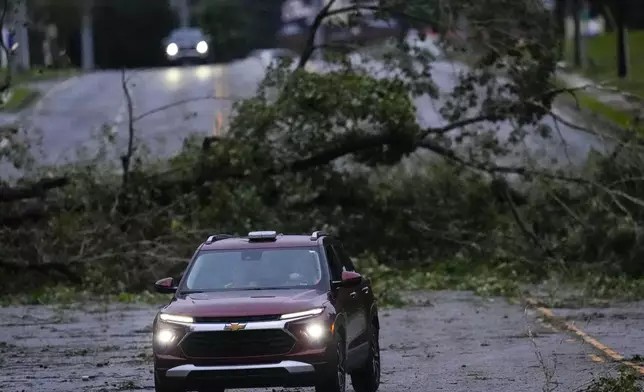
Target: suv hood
(246, 303)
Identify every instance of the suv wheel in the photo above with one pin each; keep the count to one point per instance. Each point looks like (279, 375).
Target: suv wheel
(336, 378)
(367, 379)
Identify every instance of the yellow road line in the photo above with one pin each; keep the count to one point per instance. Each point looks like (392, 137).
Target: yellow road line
(221, 92)
(609, 352)
(596, 358)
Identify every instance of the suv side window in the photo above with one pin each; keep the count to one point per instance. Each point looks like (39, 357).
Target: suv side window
(334, 263)
(347, 264)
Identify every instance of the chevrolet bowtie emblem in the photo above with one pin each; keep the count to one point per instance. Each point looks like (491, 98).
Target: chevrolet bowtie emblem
(234, 327)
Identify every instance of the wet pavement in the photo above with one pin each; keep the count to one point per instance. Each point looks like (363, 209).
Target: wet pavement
(618, 326)
(89, 110)
(454, 341)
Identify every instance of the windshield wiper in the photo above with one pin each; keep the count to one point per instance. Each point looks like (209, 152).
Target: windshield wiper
(235, 289)
(262, 288)
(191, 291)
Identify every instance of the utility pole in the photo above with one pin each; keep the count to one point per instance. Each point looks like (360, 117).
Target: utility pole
(560, 15)
(622, 41)
(22, 35)
(87, 36)
(578, 55)
(184, 13)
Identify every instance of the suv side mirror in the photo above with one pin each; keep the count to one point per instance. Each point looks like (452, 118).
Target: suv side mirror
(165, 286)
(349, 279)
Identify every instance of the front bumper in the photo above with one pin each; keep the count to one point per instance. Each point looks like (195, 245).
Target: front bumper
(187, 54)
(284, 373)
(300, 366)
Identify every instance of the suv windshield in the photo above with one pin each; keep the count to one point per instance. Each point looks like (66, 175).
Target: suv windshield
(247, 269)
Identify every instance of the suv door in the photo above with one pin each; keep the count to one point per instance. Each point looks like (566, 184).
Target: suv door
(363, 295)
(347, 300)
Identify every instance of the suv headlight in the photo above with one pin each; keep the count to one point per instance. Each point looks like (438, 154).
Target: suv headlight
(165, 336)
(315, 331)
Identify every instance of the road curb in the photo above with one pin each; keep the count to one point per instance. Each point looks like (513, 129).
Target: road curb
(569, 327)
(611, 127)
(55, 88)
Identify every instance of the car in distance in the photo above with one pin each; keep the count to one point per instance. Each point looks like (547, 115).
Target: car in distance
(267, 310)
(187, 44)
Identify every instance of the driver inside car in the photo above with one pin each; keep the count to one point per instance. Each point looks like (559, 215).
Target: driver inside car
(273, 269)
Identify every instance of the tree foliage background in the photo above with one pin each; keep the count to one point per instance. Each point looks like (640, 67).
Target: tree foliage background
(343, 150)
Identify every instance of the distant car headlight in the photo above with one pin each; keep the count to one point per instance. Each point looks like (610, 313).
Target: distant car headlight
(172, 49)
(202, 47)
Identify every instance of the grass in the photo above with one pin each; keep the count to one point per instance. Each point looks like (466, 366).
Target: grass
(626, 381)
(21, 97)
(623, 118)
(618, 116)
(37, 74)
(602, 68)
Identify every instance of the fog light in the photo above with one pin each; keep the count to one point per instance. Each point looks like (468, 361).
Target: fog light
(165, 336)
(315, 331)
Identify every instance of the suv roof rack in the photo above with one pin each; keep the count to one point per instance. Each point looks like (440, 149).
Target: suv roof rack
(218, 237)
(316, 235)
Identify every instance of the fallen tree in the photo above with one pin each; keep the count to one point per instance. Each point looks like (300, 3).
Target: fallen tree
(343, 150)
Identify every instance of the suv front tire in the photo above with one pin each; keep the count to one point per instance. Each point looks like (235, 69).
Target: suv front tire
(367, 379)
(335, 378)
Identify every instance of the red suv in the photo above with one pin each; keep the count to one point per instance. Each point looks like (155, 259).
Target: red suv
(267, 310)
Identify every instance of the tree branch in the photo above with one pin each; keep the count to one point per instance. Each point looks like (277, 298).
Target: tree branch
(346, 148)
(126, 159)
(310, 41)
(30, 214)
(180, 102)
(456, 125)
(9, 194)
(327, 12)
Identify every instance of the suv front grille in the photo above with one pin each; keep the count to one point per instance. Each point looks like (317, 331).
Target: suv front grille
(237, 319)
(227, 344)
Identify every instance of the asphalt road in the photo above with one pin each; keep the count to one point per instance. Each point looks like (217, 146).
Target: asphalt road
(453, 342)
(78, 116)
(81, 112)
